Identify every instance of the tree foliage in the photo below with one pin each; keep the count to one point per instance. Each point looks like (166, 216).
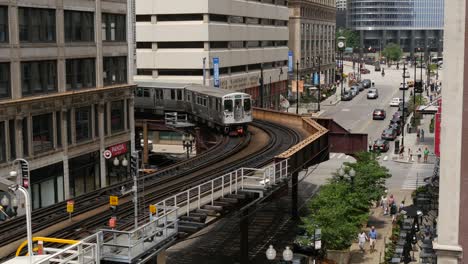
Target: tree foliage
(342, 205)
(352, 37)
(393, 52)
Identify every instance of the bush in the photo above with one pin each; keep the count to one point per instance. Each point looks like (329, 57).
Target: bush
(342, 205)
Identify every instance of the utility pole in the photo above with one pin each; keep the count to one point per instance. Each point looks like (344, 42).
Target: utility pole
(297, 87)
(403, 115)
(341, 77)
(261, 86)
(319, 91)
(204, 71)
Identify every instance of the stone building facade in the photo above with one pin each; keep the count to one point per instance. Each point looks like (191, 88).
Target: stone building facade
(312, 25)
(65, 94)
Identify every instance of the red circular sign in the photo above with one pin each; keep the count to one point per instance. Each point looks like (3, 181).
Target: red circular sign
(107, 154)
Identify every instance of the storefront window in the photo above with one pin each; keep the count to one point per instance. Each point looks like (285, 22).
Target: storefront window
(118, 173)
(47, 185)
(117, 116)
(42, 133)
(2, 142)
(83, 123)
(84, 174)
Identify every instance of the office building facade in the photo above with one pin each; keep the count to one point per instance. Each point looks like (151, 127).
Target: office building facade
(312, 26)
(412, 24)
(65, 94)
(176, 38)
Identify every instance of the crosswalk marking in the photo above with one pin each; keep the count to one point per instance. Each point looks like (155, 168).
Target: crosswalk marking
(413, 181)
(333, 155)
(341, 155)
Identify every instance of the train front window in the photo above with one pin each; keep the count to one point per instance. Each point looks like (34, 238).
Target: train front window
(228, 105)
(238, 103)
(247, 105)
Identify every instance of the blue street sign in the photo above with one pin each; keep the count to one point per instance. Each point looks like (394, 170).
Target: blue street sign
(316, 78)
(216, 71)
(290, 61)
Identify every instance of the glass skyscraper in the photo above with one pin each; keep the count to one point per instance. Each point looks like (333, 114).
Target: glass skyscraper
(411, 23)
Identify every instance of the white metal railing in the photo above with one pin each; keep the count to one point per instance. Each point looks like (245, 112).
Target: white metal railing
(173, 118)
(126, 246)
(83, 252)
(230, 183)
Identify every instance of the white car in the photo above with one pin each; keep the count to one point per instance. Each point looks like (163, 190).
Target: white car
(403, 87)
(396, 102)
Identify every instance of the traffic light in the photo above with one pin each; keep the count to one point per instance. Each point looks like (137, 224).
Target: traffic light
(134, 164)
(25, 173)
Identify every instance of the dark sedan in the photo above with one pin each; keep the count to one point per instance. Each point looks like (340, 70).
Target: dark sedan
(379, 114)
(381, 145)
(397, 127)
(367, 83)
(346, 96)
(395, 120)
(389, 134)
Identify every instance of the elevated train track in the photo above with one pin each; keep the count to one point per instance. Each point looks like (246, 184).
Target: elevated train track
(226, 155)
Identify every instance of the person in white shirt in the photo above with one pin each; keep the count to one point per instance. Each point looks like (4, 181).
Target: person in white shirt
(362, 237)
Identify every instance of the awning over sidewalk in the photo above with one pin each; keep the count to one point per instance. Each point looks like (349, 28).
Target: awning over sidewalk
(427, 109)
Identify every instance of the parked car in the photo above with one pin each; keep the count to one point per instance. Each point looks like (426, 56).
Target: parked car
(395, 120)
(360, 86)
(397, 127)
(365, 71)
(403, 86)
(381, 145)
(389, 134)
(354, 90)
(367, 83)
(396, 102)
(346, 96)
(379, 114)
(372, 93)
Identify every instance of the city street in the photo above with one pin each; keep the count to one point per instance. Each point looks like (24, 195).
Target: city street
(356, 115)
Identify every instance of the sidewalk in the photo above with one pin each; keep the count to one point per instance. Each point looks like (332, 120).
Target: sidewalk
(412, 142)
(383, 225)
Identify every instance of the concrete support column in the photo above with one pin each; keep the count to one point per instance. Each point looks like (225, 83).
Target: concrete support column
(19, 137)
(413, 43)
(98, 35)
(66, 176)
(102, 146)
(131, 118)
(294, 183)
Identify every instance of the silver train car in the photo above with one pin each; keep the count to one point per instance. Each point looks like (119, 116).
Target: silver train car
(225, 110)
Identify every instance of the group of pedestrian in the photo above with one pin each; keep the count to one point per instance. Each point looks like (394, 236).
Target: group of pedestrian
(419, 154)
(363, 237)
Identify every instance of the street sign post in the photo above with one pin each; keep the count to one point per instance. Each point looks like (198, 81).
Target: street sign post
(107, 154)
(70, 208)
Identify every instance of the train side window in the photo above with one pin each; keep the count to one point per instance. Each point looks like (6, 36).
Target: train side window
(172, 94)
(139, 92)
(228, 105)
(247, 105)
(210, 103)
(238, 103)
(146, 92)
(159, 94)
(179, 95)
(204, 102)
(188, 96)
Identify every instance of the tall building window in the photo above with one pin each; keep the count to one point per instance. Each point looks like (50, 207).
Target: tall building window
(83, 123)
(5, 89)
(117, 116)
(3, 24)
(2, 143)
(115, 70)
(36, 24)
(43, 133)
(38, 77)
(81, 73)
(113, 27)
(79, 26)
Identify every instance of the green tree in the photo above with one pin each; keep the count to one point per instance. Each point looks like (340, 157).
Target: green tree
(342, 205)
(393, 52)
(352, 37)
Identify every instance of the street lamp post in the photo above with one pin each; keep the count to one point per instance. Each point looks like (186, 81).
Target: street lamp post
(288, 254)
(297, 87)
(27, 199)
(187, 142)
(403, 114)
(319, 89)
(25, 172)
(341, 46)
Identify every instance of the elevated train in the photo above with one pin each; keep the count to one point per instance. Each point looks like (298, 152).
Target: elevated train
(225, 110)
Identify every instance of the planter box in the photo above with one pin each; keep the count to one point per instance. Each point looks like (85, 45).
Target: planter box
(339, 256)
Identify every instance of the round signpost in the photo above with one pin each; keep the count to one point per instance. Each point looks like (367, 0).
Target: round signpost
(107, 154)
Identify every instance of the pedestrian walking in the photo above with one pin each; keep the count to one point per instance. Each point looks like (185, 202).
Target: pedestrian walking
(393, 211)
(410, 155)
(362, 238)
(426, 154)
(384, 204)
(418, 135)
(402, 206)
(372, 238)
(391, 200)
(422, 135)
(419, 153)
(401, 152)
